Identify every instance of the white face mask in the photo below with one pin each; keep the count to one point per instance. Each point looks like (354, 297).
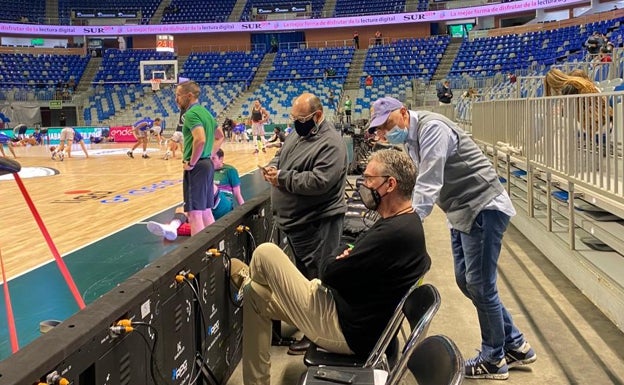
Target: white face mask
(397, 135)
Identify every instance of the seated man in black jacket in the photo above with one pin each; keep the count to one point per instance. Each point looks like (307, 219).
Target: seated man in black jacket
(346, 310)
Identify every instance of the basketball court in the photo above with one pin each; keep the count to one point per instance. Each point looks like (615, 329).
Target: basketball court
(95, 210)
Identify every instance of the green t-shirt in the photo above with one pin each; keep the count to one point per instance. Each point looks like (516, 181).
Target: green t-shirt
(198, 117)
(227, 178)
(347, 105)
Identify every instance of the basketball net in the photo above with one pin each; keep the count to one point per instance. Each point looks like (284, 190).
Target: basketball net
(155, 84)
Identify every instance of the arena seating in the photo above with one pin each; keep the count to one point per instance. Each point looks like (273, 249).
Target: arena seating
(37, 77)
(317, 6)
(110, 101)
(147, 7)
(215, 67)
(354, 8)
(311, 63)
(491, 55)
(188, 11)
(277, 96)
(418, 58)
(33, 11)
(123, 66)
(399, 87)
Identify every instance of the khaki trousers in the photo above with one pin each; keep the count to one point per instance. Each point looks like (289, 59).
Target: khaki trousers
(278, 291)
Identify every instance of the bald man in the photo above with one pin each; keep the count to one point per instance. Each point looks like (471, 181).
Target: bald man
(308, 187)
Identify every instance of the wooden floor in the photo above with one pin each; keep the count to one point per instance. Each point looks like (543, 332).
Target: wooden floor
(91, 198)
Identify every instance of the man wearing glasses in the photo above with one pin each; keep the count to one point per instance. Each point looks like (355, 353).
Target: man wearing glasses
(308, 188)
(456, 175)
(360, 285)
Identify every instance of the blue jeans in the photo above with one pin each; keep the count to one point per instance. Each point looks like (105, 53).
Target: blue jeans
(476, 258)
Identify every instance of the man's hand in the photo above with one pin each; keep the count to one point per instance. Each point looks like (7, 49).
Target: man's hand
(186, 166)
(271, 175)
(345, 254)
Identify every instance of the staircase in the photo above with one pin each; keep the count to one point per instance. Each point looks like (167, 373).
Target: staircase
(158, 13)
(355, 70)
(181, 60)
(235, 108)
(444, 67)
(411, 5)
(89, 74)
(52, 12)
(237, 11)
(330, 8)
(263, 70)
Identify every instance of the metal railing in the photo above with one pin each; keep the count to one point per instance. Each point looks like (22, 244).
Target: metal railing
(577, 138)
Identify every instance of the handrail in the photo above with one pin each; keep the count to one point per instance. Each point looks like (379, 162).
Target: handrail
(581, 20)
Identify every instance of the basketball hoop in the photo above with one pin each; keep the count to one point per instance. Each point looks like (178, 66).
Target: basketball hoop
(155, 84)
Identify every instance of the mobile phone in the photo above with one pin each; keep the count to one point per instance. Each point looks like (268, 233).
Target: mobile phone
(334, 376)
(264, 169)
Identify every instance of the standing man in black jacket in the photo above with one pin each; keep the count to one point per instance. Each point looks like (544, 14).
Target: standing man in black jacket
(308, 179)
(346, 310)
(444, 93)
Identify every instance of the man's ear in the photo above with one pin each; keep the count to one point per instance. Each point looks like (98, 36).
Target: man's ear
(392, 184)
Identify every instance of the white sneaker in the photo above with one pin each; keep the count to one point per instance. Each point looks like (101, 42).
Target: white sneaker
(61, 155)
(166, 231)
(167, 155)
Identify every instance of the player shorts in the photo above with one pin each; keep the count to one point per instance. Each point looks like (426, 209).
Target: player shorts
(197, 186)
(177, 137)
(68, 134)
(257, 129)
(139, 133)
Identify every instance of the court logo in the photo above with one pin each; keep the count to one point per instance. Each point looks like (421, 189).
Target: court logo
(108, 151)
(104, 196)
(32, 172)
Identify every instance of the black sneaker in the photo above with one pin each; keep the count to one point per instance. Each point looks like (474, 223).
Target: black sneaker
(478, 367)
(145, 156)
(129, 153)
(524, 355)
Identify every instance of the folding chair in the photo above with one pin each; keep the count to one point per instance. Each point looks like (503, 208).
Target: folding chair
(437, 361)
(419, 315)
(419, 305)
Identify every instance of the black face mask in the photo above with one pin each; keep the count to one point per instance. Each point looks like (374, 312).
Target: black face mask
(370, 196)
(303, 129)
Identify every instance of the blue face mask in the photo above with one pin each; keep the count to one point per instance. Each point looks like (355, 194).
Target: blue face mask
(397, 135)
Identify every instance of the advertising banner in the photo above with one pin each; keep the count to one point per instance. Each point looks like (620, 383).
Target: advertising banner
(282, 25)
(122, 134)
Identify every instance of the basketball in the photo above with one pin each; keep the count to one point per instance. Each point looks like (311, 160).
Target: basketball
(52, 148)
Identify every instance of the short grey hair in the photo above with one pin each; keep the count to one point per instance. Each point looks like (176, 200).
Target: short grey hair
(400, 166)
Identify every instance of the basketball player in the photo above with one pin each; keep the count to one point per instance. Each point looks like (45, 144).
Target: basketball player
(176, 141)
(140, 130)
(259, 116)
(179, 224)
(69, 136)
(156, 130)
(5, 139)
